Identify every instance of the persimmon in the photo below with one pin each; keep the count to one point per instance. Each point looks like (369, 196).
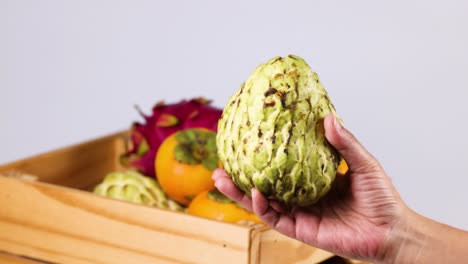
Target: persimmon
(185, 162)
(214, 205)
(342, 168)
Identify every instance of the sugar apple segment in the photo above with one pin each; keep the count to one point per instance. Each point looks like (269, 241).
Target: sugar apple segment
(271, 133)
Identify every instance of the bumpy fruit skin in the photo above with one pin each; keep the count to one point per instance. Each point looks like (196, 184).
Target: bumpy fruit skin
(132, 186)
(271, 133)
(146, 137)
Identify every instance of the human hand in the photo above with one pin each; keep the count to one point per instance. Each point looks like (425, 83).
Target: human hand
(353, 220)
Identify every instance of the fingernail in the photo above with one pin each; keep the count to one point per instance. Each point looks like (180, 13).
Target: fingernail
(214, 175)
(252, 191)
(337, 124)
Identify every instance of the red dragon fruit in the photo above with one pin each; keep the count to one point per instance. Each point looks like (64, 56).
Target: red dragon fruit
(145, 138)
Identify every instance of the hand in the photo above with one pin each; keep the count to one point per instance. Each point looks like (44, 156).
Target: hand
(353, 221)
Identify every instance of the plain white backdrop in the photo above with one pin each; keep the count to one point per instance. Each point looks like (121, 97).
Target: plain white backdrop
(397, 72)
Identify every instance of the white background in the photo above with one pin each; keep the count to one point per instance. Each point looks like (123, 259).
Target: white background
(397, 72)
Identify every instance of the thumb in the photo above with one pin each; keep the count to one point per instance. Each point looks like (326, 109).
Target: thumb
(356, 156)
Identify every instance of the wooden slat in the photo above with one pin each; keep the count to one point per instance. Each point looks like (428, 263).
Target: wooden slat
(79, 166)
(13, 259)
(70, 226)
(278, 248)
(255, 244)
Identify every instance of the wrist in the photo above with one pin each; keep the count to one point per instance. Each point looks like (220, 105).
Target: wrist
(405, 239)
(414, 238)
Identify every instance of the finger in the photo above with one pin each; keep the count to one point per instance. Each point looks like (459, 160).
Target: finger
(280, 222)
(218, 173)
(278, 207)
(225, 185)
(356, 156)
(307, 225)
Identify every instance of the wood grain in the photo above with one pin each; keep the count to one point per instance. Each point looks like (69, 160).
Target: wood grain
(277, 248)
(79, 166)
(69, 226)
(13, 259)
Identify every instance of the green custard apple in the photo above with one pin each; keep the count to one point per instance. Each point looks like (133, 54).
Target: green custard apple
(271, 135)
(131, 186)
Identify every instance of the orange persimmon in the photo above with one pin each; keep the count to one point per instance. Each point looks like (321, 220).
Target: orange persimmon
(185, 162)
(214, 205)
(342, 168)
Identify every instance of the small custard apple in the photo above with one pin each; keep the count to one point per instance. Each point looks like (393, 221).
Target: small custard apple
(132, 186)
(271, 135)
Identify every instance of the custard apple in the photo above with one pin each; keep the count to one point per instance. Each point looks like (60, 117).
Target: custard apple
(271, 135)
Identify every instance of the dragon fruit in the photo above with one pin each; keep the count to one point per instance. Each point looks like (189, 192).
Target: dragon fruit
(145, 138)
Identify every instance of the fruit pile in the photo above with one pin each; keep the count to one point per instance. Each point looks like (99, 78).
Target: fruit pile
(169, 161)
(271, 137)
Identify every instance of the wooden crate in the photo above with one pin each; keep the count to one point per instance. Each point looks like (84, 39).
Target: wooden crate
(56, 218)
